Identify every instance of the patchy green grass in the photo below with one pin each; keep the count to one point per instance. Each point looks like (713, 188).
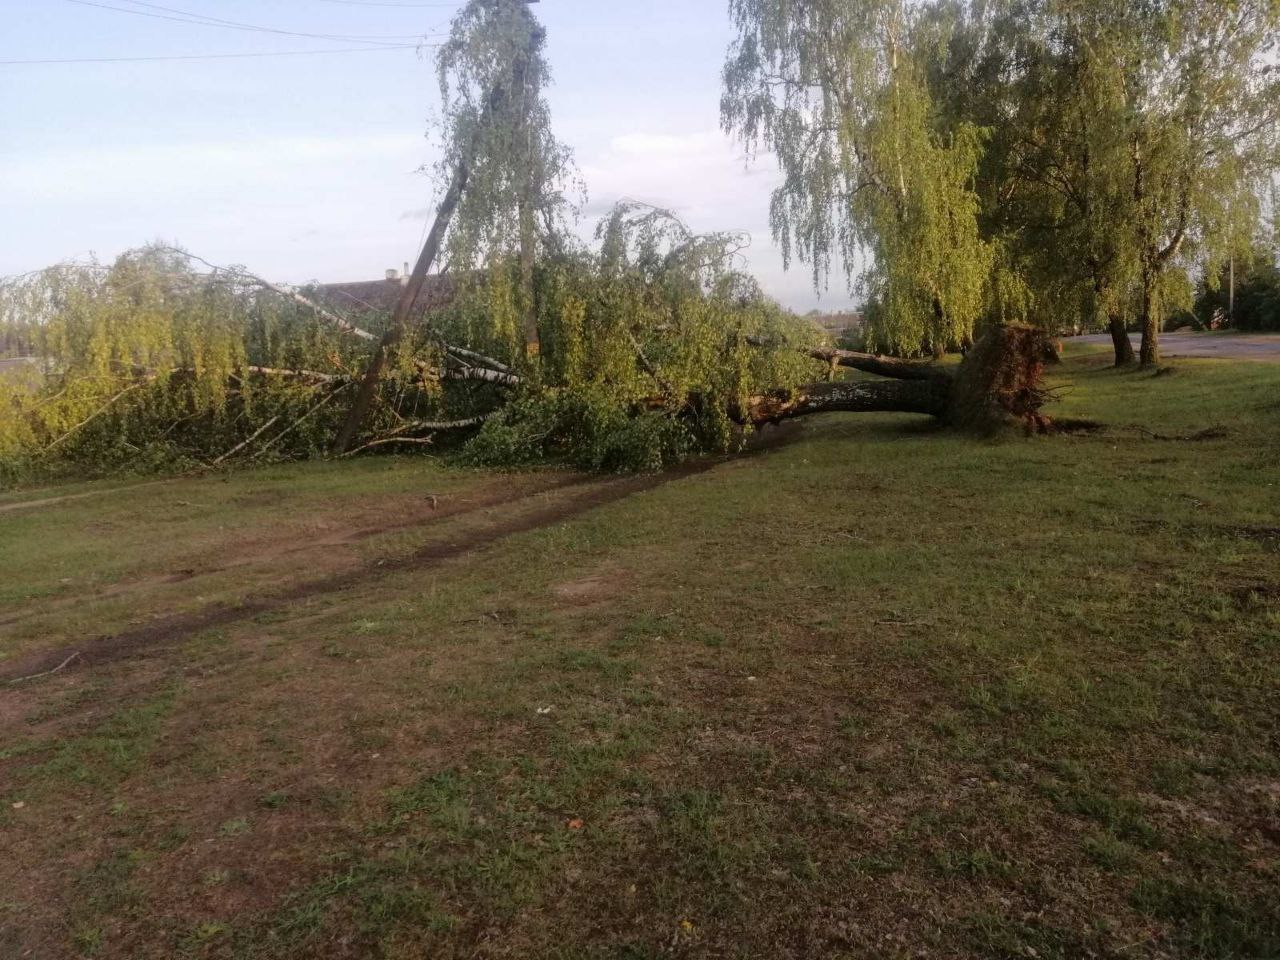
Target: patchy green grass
(882, 692)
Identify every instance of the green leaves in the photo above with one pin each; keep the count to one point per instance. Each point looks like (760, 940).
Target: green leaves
(839, 93)
(492, 75)
(645, 348)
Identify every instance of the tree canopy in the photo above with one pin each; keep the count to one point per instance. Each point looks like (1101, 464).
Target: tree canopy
(1068, 162)
(839, 92)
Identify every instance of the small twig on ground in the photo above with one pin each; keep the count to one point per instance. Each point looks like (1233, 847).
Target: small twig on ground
(487, 617)
(48, 673)
(435, 427)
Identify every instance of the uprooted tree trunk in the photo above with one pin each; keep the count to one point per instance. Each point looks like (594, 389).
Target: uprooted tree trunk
(998, 385)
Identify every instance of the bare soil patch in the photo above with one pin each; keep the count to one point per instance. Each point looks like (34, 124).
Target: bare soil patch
(588, 590)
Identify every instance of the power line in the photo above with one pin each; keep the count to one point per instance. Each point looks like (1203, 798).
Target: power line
(229, 25)
(236, 23)
(213, 56)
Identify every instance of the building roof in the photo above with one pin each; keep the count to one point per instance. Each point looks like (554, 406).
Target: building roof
(364, 298)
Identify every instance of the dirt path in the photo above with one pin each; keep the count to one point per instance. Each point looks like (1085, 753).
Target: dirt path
(1221, 346)
(586, 494)
(322, 549)
(67, 497)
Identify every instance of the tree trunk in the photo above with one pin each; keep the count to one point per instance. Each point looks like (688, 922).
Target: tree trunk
(1120, 341)
(998, 385)
(852, 396)
(528, 231)
(1150, 350)
(404, 306)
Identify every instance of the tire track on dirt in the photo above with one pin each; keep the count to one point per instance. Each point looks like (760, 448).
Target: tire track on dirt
(68, 497)
(168, 631)
(484, 499)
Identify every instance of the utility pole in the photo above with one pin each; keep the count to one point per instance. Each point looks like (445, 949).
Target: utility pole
(430, 250)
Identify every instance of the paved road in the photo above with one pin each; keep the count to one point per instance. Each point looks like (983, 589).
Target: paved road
(1223, 346)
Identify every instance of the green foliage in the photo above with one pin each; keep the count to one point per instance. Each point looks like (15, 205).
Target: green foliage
(147, 364)
(840, 94)
(492, 72)
(645, 348)
(1257, 294)
(588, 429)
(1059, 162)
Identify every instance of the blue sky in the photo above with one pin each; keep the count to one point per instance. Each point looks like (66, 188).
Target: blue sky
(305, 167)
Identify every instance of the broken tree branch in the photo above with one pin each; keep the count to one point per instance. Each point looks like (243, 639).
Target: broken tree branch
(893, 367)
(882, 366)
(466, 372)
(301, 374)
(334, 319)
(252, 437)
(396, 436)
(464, 354)
(481, 374)
(97, 413)
(306, 416)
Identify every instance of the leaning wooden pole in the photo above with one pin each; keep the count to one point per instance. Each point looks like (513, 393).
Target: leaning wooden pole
(430, 251)
(404, 307)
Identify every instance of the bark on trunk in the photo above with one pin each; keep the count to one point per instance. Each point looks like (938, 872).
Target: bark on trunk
(1150, 351)
(859, 396)
(1120, 341)
(998, 385)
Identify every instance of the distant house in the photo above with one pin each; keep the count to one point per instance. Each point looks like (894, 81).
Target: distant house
(371, 299)
(838, 325)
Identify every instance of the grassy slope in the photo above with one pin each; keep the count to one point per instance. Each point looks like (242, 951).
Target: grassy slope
(885, 692)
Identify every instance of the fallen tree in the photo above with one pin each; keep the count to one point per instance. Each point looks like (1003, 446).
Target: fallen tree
(999, 384)
(653, 349)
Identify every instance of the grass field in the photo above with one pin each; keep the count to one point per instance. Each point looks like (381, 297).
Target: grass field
(880, 691)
